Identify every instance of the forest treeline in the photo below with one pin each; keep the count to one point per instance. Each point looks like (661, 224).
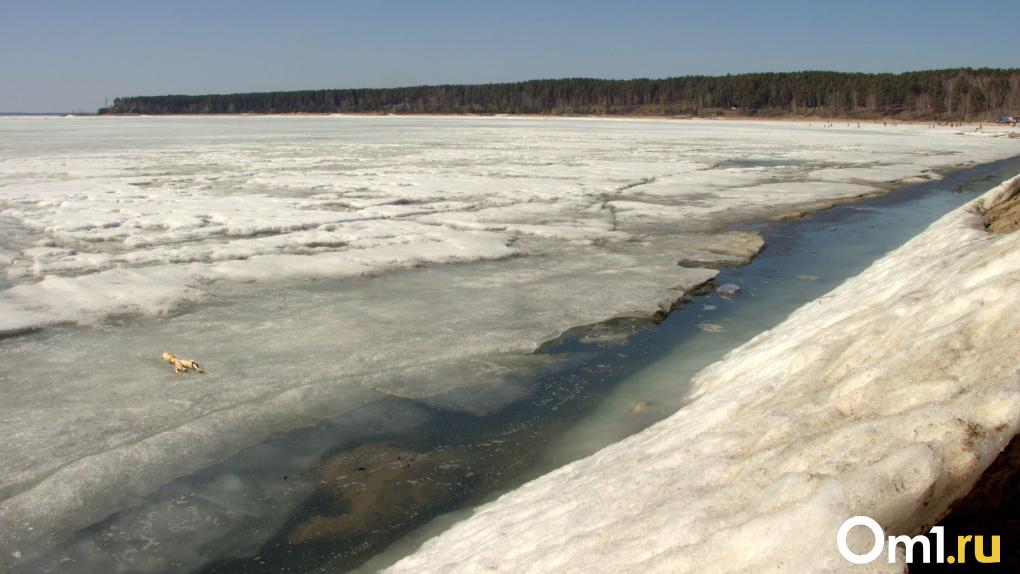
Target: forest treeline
(951, 94)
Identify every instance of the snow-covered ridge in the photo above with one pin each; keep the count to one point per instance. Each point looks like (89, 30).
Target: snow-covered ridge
(887, 397)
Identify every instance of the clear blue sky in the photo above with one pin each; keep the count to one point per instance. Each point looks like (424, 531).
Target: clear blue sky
(67, 55)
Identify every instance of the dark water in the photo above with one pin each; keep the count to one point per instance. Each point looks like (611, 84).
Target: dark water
(329, 497)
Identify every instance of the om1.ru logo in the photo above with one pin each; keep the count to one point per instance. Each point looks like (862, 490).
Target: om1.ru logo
(910, 545)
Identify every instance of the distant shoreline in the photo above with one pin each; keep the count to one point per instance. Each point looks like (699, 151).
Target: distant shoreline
(835, 120)
(951, 95)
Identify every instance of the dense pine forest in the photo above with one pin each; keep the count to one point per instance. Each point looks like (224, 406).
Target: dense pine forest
(952, 94)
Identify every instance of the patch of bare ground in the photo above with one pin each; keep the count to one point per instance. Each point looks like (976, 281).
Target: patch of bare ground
(992, 508)
(1005, 217)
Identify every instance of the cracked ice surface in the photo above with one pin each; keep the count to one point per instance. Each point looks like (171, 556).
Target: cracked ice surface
(300, 260)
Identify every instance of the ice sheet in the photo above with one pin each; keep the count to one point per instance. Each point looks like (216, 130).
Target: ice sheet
(886, 397)
(315, 264)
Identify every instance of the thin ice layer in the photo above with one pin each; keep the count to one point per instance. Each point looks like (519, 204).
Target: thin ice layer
(887, 397)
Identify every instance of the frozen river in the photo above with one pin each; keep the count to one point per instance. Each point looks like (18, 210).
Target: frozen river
(316, 265)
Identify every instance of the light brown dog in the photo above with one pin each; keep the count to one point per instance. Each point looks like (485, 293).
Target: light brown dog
(181, 366)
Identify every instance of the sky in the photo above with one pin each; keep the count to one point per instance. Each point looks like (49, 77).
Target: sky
(65, 55)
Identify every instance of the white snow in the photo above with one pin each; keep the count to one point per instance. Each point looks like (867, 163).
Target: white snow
(887, 397)
(314, 264)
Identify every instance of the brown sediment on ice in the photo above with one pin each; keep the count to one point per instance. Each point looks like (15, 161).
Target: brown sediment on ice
(376, 484)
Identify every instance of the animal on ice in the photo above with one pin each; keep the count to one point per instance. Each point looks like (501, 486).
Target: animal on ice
(181, 366)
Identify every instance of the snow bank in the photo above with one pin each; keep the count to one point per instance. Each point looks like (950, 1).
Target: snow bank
(886, 397)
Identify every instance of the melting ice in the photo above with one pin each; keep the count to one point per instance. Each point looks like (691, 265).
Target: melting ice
(316, 264)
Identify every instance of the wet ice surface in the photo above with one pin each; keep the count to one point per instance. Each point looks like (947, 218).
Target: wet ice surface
(887, 397)
(298, 260)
